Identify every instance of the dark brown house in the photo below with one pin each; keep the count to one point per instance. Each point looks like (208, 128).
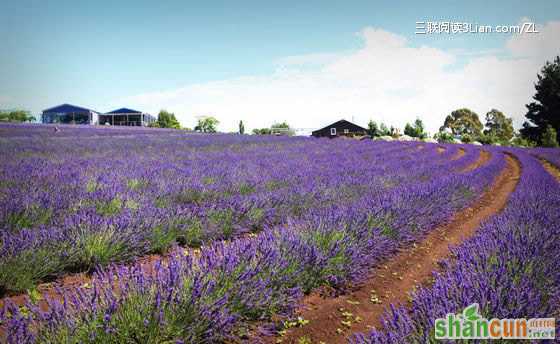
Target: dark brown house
(340, 128)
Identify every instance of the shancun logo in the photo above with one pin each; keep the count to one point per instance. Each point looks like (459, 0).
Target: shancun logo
(471, 325)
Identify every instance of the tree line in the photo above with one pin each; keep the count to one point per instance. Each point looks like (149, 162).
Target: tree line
(540, 128)
(16, 116)
(166, 119)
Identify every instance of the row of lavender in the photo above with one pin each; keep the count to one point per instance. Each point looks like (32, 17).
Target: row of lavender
(83, 197)
(552, 155)
(511, 268)
(216, 295)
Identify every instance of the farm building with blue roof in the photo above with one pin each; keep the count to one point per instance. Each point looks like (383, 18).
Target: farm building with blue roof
(125, 116)
(72, 114)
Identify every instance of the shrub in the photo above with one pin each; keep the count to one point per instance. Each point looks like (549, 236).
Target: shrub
(162, 238)
(444, 137)
(466, 138)
(110, 208)
(549, 137)
(24, 270)
(223, 220)
(101, 247)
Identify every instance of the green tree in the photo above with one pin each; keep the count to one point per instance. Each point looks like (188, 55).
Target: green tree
(167, 120)
(262, 131)
(543, 112)
(463, 121)
(241, 128)
(207, 125)
(416, 130)
(444, 137)
(549, 137)
(520, 141)
(409, 130)
(467, 138)
(373, 130)
(383, 130)
(282, 128)
(498, 126)
(16, 116)
(488, 139)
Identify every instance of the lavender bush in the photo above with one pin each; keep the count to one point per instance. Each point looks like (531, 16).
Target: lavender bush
(552, 155)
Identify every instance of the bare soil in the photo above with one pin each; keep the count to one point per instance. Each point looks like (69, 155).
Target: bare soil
(459, 154)
(332, 320)
(552, 169)
(483, 158)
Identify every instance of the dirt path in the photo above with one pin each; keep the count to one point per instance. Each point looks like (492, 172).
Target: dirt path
(550, 168)
(331, 320)
(459, 154)
(483, 158)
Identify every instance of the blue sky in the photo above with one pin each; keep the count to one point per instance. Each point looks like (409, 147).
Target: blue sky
(99, 53)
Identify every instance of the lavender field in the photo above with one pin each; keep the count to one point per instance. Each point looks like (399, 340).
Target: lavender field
(511, 267)
(247, 226)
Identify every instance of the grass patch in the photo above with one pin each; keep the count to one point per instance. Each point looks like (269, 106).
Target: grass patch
(192, 234)
(111, 208)
(189, 196)
(28, 268)
(92, 186)
(272, 185)
(208, 180)
(384, 225)
(246, 189)
(28, 218)
(161, 238)
(161, 202)
(256, 217)
(98, 248)
(136, 184)
(131, 204)
(223, 220)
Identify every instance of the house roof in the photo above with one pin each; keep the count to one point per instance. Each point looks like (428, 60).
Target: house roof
(63, 108)
(124, 110)
(341, 122)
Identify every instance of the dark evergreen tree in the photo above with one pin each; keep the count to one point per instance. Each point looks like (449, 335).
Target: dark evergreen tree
(373, 130)
(545, 110)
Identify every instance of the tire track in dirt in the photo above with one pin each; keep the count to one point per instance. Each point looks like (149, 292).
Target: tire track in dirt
(551, 168)
(483, 158)
(459, 154)
(332, 320)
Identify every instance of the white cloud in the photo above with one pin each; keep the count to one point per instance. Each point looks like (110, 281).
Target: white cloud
(386, 80)
(316, 59)
(543, 44)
